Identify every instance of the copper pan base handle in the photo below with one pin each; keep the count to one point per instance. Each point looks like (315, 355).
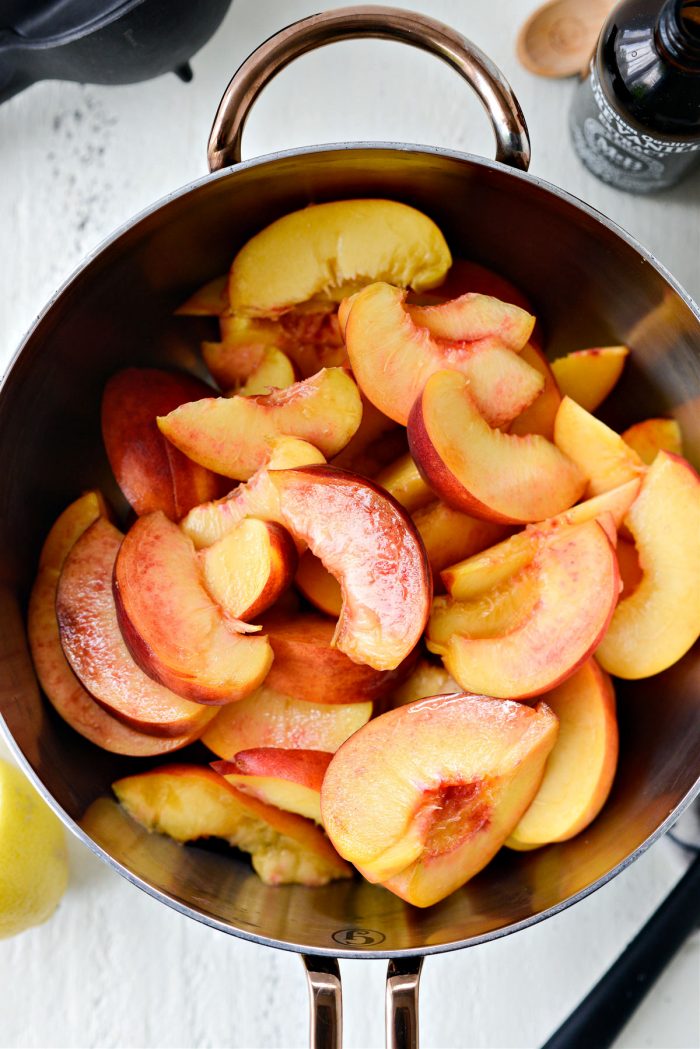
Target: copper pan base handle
(385, 23)
(326, 1002)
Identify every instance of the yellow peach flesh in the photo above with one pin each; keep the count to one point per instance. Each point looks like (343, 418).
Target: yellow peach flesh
(652, 436)
(588, 376)
(600, 453)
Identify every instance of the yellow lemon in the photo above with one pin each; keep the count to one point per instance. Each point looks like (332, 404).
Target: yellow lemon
(33, 858)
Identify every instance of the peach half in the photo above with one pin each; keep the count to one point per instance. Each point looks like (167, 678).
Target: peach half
(660, 619)
(232, 435)
(272, 719)
(211, 521)
(173, 628)
(603, 457)
(588, 376)
(481, 471)
(422, 798)
(393, 356)
(324, 252)
(152, 474)
(247, 570)
(581, 767)
(63, 689)
(651, 436)
(288, 779)
(95, 648)
(188, 802)
(534, 629)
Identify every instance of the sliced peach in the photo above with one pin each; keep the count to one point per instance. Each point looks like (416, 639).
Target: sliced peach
(426, 679)
(173, 628)
(308, 667)
(450, 535)
(327, 251)
(652, 436)
(271, 719)
(588, 376)
(208, 301)
(392, 356)
(289, 779)
(472, 317)
(209, 522)
(152, 474)
(232, 435)
(95, 648)
(403, 481)
(539, 417)
(631, 573)
(63, 689)
(311, 341)
(274, 371)
(481, 471)
(495, 565)
(368, 542)
(188, 802)
(318, 585)
(233, 359)
(475, 765)
(247, 570)
(581, 767)
(376, 442)
(534, 630)
(465, 275)
(600, 453)
(660, 620)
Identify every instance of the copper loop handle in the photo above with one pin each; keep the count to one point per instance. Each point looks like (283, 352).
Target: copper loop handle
(402, 982)
(384, 23)
(325, 1001)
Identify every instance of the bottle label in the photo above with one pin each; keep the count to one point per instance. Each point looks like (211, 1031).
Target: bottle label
(617, 152)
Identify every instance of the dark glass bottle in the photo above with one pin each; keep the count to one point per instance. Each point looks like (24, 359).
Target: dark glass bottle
(635, 118)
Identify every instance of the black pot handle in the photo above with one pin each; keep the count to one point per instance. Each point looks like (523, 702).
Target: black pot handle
(326, 1002)
(386, 23)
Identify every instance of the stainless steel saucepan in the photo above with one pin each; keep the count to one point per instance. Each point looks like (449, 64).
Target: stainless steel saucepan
(591, 285)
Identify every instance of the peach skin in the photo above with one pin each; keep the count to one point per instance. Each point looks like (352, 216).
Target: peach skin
(581, 767)
(232, 435)
(173, 628)
(475, 764)
(481, 471)
(324, 252)
(523, 637)
(272, 719)
(95, 648)
(189, 802)
(393, 356)
(660, 619)
(288, 779)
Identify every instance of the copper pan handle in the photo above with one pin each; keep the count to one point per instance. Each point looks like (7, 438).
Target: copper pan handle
(385, 23)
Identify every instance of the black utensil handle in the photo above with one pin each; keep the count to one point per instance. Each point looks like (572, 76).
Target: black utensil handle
(604, 1012)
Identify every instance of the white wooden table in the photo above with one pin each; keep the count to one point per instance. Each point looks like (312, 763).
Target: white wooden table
(114, 968)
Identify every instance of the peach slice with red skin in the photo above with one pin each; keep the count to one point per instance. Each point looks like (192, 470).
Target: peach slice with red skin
(308, 667)
(232, 435)
(247, 570)
(369, 543)
(173, 628)
(533, 630)
(210, 522)
(588, 376)
(493, 566)
(63, 689)
(95, 648)
(423, 796)
(581, 767)
(540, 415)
(271, 719)
(481, 471)
(188, 802)
(289, 779)
(152, 474)
(651, 436)
(600, 453)
(392, 356)
(659, 621)
(324, 252)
